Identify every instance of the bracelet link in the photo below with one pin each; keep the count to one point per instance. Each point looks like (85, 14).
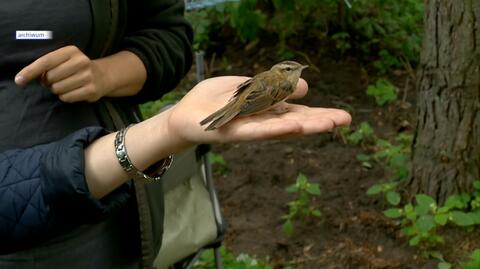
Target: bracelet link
(158, 169)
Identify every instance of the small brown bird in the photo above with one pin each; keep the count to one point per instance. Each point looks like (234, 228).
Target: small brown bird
(258, 94)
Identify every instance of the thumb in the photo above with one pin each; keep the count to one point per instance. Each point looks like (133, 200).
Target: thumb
(300, 91)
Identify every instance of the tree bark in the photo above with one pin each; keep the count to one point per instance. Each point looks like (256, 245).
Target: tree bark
(446, 145)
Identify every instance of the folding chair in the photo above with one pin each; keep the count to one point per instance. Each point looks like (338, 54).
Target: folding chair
(193, 221)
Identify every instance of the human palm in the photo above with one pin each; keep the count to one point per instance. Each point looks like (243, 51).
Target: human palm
(212, 94)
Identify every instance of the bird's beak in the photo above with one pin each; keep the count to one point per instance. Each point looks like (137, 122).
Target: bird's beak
(304, 66)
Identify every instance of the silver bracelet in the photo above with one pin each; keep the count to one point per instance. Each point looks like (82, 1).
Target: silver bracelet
(157, 170)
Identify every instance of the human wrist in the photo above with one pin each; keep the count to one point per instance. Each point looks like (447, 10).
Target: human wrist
(103, 81)
(172, 137)
(153, 140)
(123, 74)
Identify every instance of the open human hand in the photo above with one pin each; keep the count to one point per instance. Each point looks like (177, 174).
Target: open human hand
(68, 73)
(211, 94)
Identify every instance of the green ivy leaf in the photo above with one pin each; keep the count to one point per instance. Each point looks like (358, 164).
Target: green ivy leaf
(441, 219)
(425, 224)
(443, 209)
(292, 188)
(474, 261)
(393, 213)
(475, 216)
(316, 213)
(457, 201)
(461, 218)
(314, 189)
(390, 185)
(288, 228)
(355, 138)
(465, 197)
(414, 241)
(375, 189)
(452, 201)
(363, 157)
(424, 204)
(409, 230)
(408, 208)
(393, 197)
(476, 184)
(367, 165)
(216, 158)
(410, 212)
(366, 129)
(425, 200)
(398, 160)
(436, 254)
(475, 203)
(444, 265)
(302, 180)
(383, 91)
(422, 210)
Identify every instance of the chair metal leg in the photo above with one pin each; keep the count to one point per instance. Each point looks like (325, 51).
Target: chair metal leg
(218, 258)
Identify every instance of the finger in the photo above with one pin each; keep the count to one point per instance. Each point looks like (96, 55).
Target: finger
(279, 130)
(82, 94)
(71, 83)
(317, 125)
(319, 122)
(315, 120)
(257, 129)
(66, 69)
(42, 65)
(328, 122)
(301, 90)
(339, 117)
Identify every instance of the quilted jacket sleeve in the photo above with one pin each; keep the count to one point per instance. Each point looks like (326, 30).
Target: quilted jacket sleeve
(43, 190)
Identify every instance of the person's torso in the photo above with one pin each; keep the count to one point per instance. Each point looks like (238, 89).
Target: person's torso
(33, 115)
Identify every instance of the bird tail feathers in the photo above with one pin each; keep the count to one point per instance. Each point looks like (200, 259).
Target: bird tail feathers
(219, 118)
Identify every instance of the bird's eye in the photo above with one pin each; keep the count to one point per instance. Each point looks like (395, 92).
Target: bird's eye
(288, 69)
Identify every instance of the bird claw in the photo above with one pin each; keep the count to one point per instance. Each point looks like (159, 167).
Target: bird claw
(280, 108)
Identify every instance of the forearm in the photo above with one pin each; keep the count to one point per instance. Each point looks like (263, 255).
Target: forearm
(123, 74)
(146, 142)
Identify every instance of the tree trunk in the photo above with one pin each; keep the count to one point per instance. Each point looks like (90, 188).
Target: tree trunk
(446, 145)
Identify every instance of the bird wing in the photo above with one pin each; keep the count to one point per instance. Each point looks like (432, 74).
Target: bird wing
(282, 89)
(242, 87)
(262, 94)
